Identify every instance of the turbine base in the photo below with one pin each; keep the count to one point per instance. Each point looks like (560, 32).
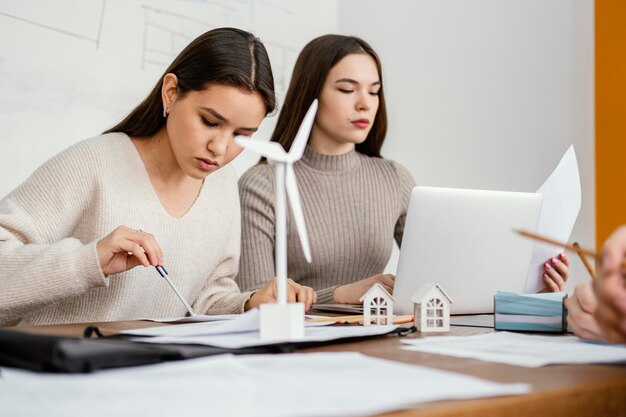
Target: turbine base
(282, 321)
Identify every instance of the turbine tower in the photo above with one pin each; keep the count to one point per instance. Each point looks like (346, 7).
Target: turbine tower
(284, 320)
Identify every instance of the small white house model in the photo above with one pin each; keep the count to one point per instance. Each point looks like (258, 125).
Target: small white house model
(431, 308)
(378, 299)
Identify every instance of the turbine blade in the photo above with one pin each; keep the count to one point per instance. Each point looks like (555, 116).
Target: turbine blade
(296, 208)
(300, 141)
(270, 150)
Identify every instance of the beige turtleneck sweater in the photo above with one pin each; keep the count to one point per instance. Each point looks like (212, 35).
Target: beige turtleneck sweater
(49, 227)
(354, 206)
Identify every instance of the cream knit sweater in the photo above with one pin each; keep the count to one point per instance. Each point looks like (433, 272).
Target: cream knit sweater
(354, 206)
(49, 227)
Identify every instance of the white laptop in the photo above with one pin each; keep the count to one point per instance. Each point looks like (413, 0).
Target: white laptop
(464, 240)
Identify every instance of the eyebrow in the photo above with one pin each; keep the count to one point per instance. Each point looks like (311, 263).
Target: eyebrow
(217, 115)
(351, 81)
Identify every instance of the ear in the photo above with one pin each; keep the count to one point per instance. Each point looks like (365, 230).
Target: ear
(169, 90)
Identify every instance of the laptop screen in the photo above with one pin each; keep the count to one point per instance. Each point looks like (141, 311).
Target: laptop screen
(464, 240)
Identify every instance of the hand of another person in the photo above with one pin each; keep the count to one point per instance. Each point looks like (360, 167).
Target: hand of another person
(351, 293)
(125, 248)
(610, 287)
(556, 273)
(295, 293)
(580, 308)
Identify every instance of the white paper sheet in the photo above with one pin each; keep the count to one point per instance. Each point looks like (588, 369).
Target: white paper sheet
(235, 323)
(198, 318)
(560, 208)
(249, 339)
(295, 385)
(520, 349)
(246, 322)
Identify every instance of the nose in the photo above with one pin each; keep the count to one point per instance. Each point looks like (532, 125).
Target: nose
(218, 143)
(364, 101)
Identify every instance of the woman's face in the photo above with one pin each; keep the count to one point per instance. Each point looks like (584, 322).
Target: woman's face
(202, 125)
(347, 105)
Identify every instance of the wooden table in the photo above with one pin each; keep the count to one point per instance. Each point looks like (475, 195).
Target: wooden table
(557, 390)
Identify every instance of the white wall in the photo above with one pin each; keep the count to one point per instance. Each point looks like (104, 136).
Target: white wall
(481, 93)
(71, 69)
(486, 93)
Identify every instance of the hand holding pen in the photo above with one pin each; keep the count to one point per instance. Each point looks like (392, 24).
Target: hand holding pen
(125, 248)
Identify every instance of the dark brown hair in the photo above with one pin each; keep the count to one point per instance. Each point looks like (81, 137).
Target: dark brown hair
(309, 74)
(226, 56)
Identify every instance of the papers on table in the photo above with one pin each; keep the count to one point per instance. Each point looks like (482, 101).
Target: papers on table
(251, 339)
(561, 204)
(198, 318)
(295, 385)
(243, 331)
(519, 349)
(246, 322)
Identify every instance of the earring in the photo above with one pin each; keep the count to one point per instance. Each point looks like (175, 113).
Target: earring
(164, 111)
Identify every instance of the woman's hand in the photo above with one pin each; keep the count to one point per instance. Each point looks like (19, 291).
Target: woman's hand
(125, 248)
(295, 293)
(580, 308)
(610, 287)
(556, 273)
(351, 293)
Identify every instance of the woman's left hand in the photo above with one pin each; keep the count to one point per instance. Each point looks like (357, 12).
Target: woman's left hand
(295, 293)
(556, 273)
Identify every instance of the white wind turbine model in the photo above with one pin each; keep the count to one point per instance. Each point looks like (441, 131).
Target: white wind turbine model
(284, 320)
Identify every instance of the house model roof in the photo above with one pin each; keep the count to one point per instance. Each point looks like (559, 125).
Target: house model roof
(425, 289)
(376, 288)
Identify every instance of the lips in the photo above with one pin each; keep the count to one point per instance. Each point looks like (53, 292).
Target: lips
(207, 165)
(361, 123)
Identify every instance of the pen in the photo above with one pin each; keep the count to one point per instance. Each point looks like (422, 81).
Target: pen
(163, 272)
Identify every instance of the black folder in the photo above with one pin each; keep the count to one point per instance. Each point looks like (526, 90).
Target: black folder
(45, 353)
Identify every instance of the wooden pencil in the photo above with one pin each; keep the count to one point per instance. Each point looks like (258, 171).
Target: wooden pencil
(564, 245)
(551, 241)
(583, 258)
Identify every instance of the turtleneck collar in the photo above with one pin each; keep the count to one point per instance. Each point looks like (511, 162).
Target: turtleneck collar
(330, 163)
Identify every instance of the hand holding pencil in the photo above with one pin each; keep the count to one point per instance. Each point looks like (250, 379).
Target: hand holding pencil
(610, 287)
(601, 314)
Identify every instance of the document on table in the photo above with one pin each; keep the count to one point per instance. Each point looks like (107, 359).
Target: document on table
(559, 210)
(198, 318)
(238, 340)
(520, 349)
(293, 385)
(243, 331)
(246, 322)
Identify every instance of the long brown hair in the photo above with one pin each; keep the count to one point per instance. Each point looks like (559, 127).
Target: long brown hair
(227, 56)
(309, 74)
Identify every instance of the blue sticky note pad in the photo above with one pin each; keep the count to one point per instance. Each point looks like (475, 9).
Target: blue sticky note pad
(543, 312)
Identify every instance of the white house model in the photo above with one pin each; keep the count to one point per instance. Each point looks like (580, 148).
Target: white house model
(378, 299)
(431, 308)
